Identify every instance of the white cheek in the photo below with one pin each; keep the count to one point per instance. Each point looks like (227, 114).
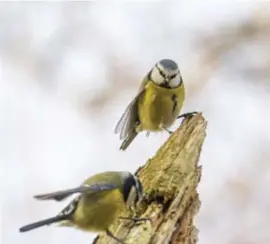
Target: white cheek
(131, 197)
(156, 77)
(175, 81)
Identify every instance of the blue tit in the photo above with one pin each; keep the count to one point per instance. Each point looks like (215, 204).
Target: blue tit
(101, 198)
(157, 104)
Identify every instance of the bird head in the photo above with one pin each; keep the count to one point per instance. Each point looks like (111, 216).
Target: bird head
(166, 74)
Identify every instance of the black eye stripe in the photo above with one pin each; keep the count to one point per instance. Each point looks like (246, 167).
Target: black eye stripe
(173, 76)
(164, 75)
(161, 72)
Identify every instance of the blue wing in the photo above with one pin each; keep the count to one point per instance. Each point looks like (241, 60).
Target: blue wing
(60, 195)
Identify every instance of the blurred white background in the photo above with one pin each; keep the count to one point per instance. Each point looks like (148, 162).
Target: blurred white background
(67, 72)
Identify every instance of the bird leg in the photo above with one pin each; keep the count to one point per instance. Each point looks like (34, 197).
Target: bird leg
(169, 131)
(110, 234)
(187, 115)
(164, 128)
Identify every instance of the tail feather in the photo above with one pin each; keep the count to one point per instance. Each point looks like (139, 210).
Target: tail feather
(43, 222)
(128, 140)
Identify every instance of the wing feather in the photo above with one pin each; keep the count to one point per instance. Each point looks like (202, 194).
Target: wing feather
(125, 120)
(129, 119)
(127, 123)
(60, 195)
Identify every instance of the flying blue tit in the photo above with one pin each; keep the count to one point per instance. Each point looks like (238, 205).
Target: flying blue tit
(101, 198)
(157, 104)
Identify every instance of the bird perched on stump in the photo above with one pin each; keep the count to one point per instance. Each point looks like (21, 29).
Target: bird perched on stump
(157, 104)
(101, 198)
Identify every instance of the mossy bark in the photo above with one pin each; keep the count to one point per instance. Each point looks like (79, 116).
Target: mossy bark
(170, 180)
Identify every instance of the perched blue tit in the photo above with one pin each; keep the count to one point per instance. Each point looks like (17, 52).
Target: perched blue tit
(157, 104)
(101, 198)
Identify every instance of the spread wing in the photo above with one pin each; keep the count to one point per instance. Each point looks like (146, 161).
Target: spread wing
(60, 195)
(129, 119)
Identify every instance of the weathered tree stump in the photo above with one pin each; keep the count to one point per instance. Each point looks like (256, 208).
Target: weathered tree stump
(170, 180)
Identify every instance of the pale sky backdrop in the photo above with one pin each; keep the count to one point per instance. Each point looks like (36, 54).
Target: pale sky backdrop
(67, 72)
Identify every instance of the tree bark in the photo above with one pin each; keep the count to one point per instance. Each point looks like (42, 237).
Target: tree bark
(170, 180)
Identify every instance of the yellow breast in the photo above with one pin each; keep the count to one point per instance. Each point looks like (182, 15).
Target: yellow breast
(96, 213)
(159, 107)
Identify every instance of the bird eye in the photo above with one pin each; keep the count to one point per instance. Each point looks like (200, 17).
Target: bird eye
(173, 76)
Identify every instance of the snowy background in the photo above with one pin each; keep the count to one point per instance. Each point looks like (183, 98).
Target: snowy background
(67, 72)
